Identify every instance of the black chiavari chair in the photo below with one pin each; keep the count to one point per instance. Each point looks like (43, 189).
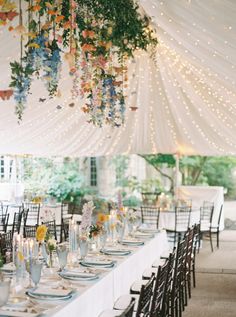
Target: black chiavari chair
(32, 215)
(6, 246)
(150, 215)
(51, 228)
(181, 225)
(30, 231)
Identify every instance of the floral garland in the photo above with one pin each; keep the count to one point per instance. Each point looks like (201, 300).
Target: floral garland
(7, 12)
(96, 38)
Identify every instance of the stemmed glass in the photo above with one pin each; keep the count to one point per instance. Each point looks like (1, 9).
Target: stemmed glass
(4, 291)
(103, 240)
(120, 231)
(36, 268)
(62, 254)
(84, 246)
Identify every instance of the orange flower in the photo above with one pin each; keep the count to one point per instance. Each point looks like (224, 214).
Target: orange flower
(102, 218)
(35, 8)
(10, 28)
(41, 233)
(88, 48)
(67, 25)
(51, 12)
(59, 18)
(87, 33)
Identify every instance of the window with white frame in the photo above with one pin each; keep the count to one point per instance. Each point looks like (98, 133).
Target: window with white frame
(93, 171)
(2, 168)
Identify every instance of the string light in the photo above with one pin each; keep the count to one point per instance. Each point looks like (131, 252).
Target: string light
(186, 103)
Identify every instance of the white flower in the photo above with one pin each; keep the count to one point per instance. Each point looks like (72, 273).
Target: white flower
(52, 243)
(87, 211)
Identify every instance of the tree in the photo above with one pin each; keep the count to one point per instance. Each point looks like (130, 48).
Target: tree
(157, 161)
(192, 168)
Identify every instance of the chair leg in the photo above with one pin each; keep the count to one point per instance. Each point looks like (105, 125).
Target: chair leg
(218, 239)
(211, 241)
(189, 285)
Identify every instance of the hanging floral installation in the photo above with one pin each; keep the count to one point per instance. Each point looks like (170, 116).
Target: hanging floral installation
(94, 37)
(7, 11)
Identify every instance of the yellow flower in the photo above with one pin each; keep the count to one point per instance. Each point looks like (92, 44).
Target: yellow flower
(102, 218)
(20, 256)
(34, 45)
(41, 233)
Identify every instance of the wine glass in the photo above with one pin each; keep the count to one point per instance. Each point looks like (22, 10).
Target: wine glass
(103, 240)
(28, 270)
(62, 254)
(120, 231)
(4, 291)
(83, 245)
(36, 268)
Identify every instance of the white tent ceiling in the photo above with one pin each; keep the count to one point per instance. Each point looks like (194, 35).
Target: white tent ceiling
(186, 101)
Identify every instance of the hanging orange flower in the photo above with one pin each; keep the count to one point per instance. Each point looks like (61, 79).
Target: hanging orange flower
(67, 25)
(87, 33)
(52, 12)
(59, 18)
(36, 8)
(88, 48)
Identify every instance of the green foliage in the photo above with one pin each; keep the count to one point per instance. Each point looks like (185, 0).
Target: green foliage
(37, 175)
(219, 171)
(151, 185)
(159, 159)
(131, 201)
(66, 184)
(129, 29)
(59, 179)
(121, 163)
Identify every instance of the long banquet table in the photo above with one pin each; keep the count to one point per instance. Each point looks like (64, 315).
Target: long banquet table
(92, 299)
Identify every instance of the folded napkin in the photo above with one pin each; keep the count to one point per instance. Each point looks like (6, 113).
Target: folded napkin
(10, 268)
(135, 242)
(113, 251)
(78, 274)
(94, 261)
(12, 313)
(43, 291)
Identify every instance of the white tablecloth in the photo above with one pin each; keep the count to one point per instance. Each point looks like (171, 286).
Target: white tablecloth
(167, 219)
(103, 293)
(199, 194)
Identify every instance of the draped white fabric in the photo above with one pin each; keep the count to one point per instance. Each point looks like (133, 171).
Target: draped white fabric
(186, 100)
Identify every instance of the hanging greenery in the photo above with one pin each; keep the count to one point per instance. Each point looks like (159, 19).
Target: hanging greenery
(96, 38)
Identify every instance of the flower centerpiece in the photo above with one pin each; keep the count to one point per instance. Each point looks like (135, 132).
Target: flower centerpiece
(133, 219)
(47, 242)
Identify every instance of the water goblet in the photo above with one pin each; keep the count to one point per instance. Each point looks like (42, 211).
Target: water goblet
(62, 254)
(84, 246)
(120, 231)
(36, 268)
(4, 291)
(103, 239)
(28, 270)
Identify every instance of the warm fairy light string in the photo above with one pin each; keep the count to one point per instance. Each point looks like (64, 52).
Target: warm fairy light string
(216, 98)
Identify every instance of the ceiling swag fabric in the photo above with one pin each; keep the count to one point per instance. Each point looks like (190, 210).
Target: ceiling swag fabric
(185, 100)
